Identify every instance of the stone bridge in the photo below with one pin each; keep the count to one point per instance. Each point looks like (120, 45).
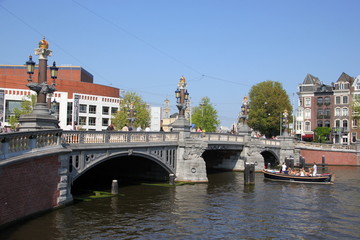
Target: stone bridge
(37, 169)
(41, 166)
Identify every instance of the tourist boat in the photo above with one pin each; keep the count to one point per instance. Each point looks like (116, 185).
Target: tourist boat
(275, 175)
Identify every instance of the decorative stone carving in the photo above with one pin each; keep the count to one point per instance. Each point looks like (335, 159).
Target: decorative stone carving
(193, 150)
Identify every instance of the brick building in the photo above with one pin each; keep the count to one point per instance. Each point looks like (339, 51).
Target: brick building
(322, 105)
(77, 99)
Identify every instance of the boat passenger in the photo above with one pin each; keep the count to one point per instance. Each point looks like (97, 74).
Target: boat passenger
(314, 169)
(283, 167)
(302, 172)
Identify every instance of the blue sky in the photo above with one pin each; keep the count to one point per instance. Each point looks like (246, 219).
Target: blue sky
(222, 47)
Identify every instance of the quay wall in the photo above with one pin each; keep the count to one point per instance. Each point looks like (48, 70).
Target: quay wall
(28, 187)
(331, 157)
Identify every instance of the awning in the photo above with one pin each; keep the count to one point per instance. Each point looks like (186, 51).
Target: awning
(307, 136)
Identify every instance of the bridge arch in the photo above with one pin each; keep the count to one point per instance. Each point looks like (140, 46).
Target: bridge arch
(91, 160)
(270, 157)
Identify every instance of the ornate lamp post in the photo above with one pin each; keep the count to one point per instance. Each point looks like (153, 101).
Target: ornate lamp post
(285, 122)
(131, 115)
(243, 117)
(182, 97)
(41, 117)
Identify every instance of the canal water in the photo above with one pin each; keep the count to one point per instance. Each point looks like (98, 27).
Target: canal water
(224, 208)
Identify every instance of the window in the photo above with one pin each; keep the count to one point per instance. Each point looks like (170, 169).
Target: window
(355, 123)
(327, 101)
(105, 122)
(299, 113)
(82, 121)
(9, 108)
(327, 123)
(345, 112)
(319, 123)
(307, 102)
(83, 108)
(307, 113)
(92, 109)
(345, 100)
(298, 125)
(320, 113)
(337, 100)
(307, 126)
(92, 121)
(319, 101)
(353, 136)
(105, 110)
(337, 111)
(69, 113)
(337, 123)
(345, 124)
(327, 113)
(114, 110)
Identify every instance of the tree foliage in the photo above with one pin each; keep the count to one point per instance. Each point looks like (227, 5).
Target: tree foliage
(26, 107)
(205, 116)
(355, 108)
(142, 117)
(322, 134)
(268, 100)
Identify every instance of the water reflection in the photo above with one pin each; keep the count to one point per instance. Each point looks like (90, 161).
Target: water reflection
(224, 208)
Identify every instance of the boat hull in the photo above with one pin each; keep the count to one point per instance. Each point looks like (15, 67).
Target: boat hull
(276, 176)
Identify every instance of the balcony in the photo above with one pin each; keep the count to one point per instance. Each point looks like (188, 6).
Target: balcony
(339, 130)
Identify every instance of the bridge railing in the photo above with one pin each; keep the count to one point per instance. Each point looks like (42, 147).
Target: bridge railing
(268, 142)
(16, 143)
(85, 137)
(217, 137)
(325, 146)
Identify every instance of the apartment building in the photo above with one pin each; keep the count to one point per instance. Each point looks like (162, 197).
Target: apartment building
(322, 105)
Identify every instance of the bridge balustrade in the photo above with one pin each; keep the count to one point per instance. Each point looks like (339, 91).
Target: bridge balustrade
(219, 137)
(325, 146)
(271, 142)
(16, 143)
(85, 137)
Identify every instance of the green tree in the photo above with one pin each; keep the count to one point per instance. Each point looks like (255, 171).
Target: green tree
(142, 117)
(322, 134)
(205, 116)
(268, 101)
(26, 107)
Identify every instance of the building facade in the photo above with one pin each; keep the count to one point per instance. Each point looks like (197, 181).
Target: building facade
(322, 105)
(77, 102)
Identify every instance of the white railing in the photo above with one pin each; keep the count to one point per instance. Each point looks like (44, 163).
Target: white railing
(88, 137)
(324, 146)
(16, 143)
(217, 137)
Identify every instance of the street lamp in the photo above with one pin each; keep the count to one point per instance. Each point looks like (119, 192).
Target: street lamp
(30, 66)
(245, 108)
(285, 122)
(40, 118)
(243, 117)
(182, 98)
(131, 115)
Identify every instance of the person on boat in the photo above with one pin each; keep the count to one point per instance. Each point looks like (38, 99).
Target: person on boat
(314, 170)
(302, 172)
(283, 168)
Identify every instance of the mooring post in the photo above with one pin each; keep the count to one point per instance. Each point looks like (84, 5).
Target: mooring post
(114, 187)
(172, 179)
(302, 162)
(323, 164)
(249, 173)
